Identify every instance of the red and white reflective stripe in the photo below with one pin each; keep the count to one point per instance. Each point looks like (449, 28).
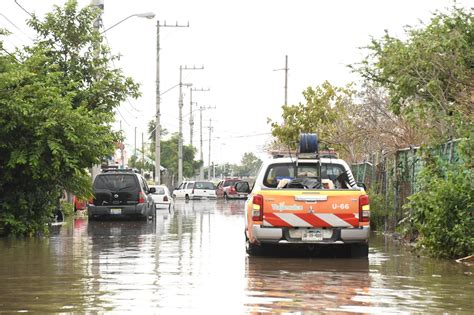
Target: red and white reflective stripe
(311, 219)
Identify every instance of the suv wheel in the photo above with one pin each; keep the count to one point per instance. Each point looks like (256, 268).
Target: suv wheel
(186, 197)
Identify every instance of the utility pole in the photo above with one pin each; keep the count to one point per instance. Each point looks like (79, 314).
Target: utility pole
(143, 154)
(95, 169)
(158, 101)
(286, 78)
(209, 165)
(180, 105)
(122, 146)
(191, 115)
(135, 143)
(201, 109)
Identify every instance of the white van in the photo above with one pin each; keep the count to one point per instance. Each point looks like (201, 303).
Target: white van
(195, 190)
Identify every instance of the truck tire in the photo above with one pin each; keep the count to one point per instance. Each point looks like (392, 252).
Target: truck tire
(359, 250)
(252, 249)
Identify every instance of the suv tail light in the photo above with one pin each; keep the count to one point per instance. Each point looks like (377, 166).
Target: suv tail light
(165, 198)
(91, 200)
(232, 189)
(141, 197)
(257, 208)
(192, 191)
(364, 209)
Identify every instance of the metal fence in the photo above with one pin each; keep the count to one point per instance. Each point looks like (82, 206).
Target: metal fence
(393, 176)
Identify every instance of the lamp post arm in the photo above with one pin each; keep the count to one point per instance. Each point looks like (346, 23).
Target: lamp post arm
(123, 20)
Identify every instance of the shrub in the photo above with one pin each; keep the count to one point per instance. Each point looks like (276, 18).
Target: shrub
(442, 210)
(377, 211)
(67, 208)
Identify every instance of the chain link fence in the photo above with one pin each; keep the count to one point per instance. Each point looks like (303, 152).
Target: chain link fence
(391, 177)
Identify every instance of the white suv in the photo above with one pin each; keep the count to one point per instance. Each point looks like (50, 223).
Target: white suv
(195, 190)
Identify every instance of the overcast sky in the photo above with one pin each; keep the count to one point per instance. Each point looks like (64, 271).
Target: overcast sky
(240, 44)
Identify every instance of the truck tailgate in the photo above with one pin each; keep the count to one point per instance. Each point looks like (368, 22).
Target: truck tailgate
(311, 208)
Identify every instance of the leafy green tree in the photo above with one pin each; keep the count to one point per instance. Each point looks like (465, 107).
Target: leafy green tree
(429, 75)
(428, 78)
(223, 170)
(249, 164)
(169, 157)
(56, 108)
(327, 108)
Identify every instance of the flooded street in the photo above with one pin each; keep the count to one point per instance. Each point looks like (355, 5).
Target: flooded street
(193, 260)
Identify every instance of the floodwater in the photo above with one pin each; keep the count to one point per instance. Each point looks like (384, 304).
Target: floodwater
(193, 261)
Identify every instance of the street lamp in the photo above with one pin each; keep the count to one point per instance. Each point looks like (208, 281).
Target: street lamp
(148, 15)
(99, 4)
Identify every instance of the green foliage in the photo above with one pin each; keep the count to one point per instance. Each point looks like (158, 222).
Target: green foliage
(67, 208)
(325, 107)
(146, 164)
(169, 157)
(429, 75)
(56, 108)
(224, 170)
(249, 165)
(377, 210)
(442, 212)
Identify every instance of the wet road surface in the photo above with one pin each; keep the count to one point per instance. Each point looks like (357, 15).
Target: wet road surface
(193, 261)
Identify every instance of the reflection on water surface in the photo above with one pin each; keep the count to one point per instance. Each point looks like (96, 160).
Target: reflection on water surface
(193, 260)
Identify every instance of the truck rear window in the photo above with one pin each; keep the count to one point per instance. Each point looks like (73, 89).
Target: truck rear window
(277, 172)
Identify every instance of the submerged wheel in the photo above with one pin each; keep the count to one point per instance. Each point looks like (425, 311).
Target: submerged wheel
(252, 249)
(186, 197)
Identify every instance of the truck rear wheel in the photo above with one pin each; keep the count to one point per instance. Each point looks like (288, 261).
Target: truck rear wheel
(252, 249)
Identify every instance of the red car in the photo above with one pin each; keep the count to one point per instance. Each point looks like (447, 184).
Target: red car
(232, 188)
(79, 204)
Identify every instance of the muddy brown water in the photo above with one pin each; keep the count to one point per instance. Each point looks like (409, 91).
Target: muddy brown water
(193, 261)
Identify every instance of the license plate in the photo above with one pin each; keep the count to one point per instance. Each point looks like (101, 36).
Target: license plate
(115, 211)
(312, 235)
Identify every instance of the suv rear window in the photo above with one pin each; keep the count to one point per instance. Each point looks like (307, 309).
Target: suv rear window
(116, 182)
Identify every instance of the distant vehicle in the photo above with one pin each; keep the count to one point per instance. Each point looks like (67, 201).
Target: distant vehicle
(232, 188)
(79, 204)
(243, 189)
(162, 197)
(195, 190)
(121, 193)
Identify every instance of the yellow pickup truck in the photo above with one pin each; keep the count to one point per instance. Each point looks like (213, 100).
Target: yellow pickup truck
(307, 201)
